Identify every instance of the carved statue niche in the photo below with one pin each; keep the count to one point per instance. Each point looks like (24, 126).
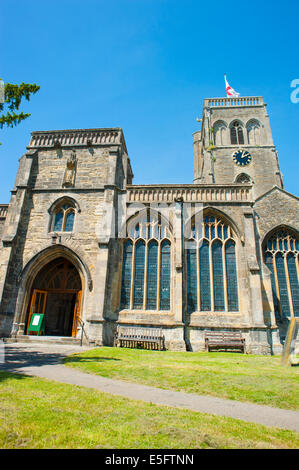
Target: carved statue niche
(70, 171)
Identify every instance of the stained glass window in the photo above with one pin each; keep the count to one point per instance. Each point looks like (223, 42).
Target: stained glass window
(291, 262)
(165, 276)
(281, 257)
(191, 279)
(152, 276)
(231, 277)
(269, 263)
(69, 221)
(282, 283)
(139, 275)
(58, 221)
(150, 261)
(204, 272)
(64, 217)
(216, 259)
(218, 276)
(126, 275)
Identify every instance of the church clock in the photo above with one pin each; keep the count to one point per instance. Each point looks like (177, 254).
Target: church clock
(242, 157)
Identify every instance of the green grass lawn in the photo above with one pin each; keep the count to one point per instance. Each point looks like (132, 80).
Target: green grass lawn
(258, 379)
(38, 414)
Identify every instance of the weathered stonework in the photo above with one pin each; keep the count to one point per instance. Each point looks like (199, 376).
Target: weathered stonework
(89, 171)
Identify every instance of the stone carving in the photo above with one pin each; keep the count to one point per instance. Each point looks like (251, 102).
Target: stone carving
(70, 171)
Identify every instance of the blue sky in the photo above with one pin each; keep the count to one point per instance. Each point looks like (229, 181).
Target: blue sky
(146, 66)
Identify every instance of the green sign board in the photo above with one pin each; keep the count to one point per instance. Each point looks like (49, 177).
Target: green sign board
(37, 323)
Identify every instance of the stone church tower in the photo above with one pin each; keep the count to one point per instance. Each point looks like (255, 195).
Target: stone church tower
(90, 250)
(236, 145)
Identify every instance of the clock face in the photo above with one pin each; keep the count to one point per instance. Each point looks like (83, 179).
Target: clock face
(242, 157)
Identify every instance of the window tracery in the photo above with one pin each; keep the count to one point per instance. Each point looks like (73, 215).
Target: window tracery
(63, 217)
(211, 266)
(146, 270)
(281, 253)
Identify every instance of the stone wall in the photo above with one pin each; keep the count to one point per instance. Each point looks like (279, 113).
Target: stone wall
(28, 237)
(1, 227)
(216, 162)
(99, 187)
(275, 208)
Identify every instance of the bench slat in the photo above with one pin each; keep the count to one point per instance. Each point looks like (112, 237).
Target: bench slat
(136, 336)
(224, 340)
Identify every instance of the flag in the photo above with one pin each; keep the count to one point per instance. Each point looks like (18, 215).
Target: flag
(229, 90)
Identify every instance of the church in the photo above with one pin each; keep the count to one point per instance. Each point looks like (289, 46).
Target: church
(83, 245)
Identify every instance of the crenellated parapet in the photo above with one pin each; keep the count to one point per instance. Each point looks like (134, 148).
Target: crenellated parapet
(77, 137)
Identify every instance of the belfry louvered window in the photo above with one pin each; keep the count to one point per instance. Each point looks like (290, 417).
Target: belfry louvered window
(236, 134)
(281, 256)
(211, 266)
(146, 270)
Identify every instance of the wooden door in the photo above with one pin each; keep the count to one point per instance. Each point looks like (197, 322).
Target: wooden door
(77, 313)
(37, 304)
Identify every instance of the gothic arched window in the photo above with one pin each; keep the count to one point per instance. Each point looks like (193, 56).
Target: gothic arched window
(63, 217)
(281, 253)
(236, 134)
(220, 133)
(212, 283)
(253, 132)
(165, 276)
(146, 270)
(243, 178)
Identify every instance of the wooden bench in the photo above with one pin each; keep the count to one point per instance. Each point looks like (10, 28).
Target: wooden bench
(224, 340)
(139, 337)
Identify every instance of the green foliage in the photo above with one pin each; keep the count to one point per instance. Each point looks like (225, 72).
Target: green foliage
(13, 95)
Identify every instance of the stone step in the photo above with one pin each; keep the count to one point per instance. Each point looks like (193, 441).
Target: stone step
(43, 339)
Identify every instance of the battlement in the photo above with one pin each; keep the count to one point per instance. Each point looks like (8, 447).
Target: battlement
(77, 138)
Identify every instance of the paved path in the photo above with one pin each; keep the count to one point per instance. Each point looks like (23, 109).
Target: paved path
(45, 361)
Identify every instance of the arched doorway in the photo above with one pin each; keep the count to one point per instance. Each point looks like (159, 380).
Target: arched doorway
(56, 292)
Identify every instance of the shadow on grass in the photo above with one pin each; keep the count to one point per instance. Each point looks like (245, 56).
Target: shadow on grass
(10, 375)
(18, 360)
(76, 359)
